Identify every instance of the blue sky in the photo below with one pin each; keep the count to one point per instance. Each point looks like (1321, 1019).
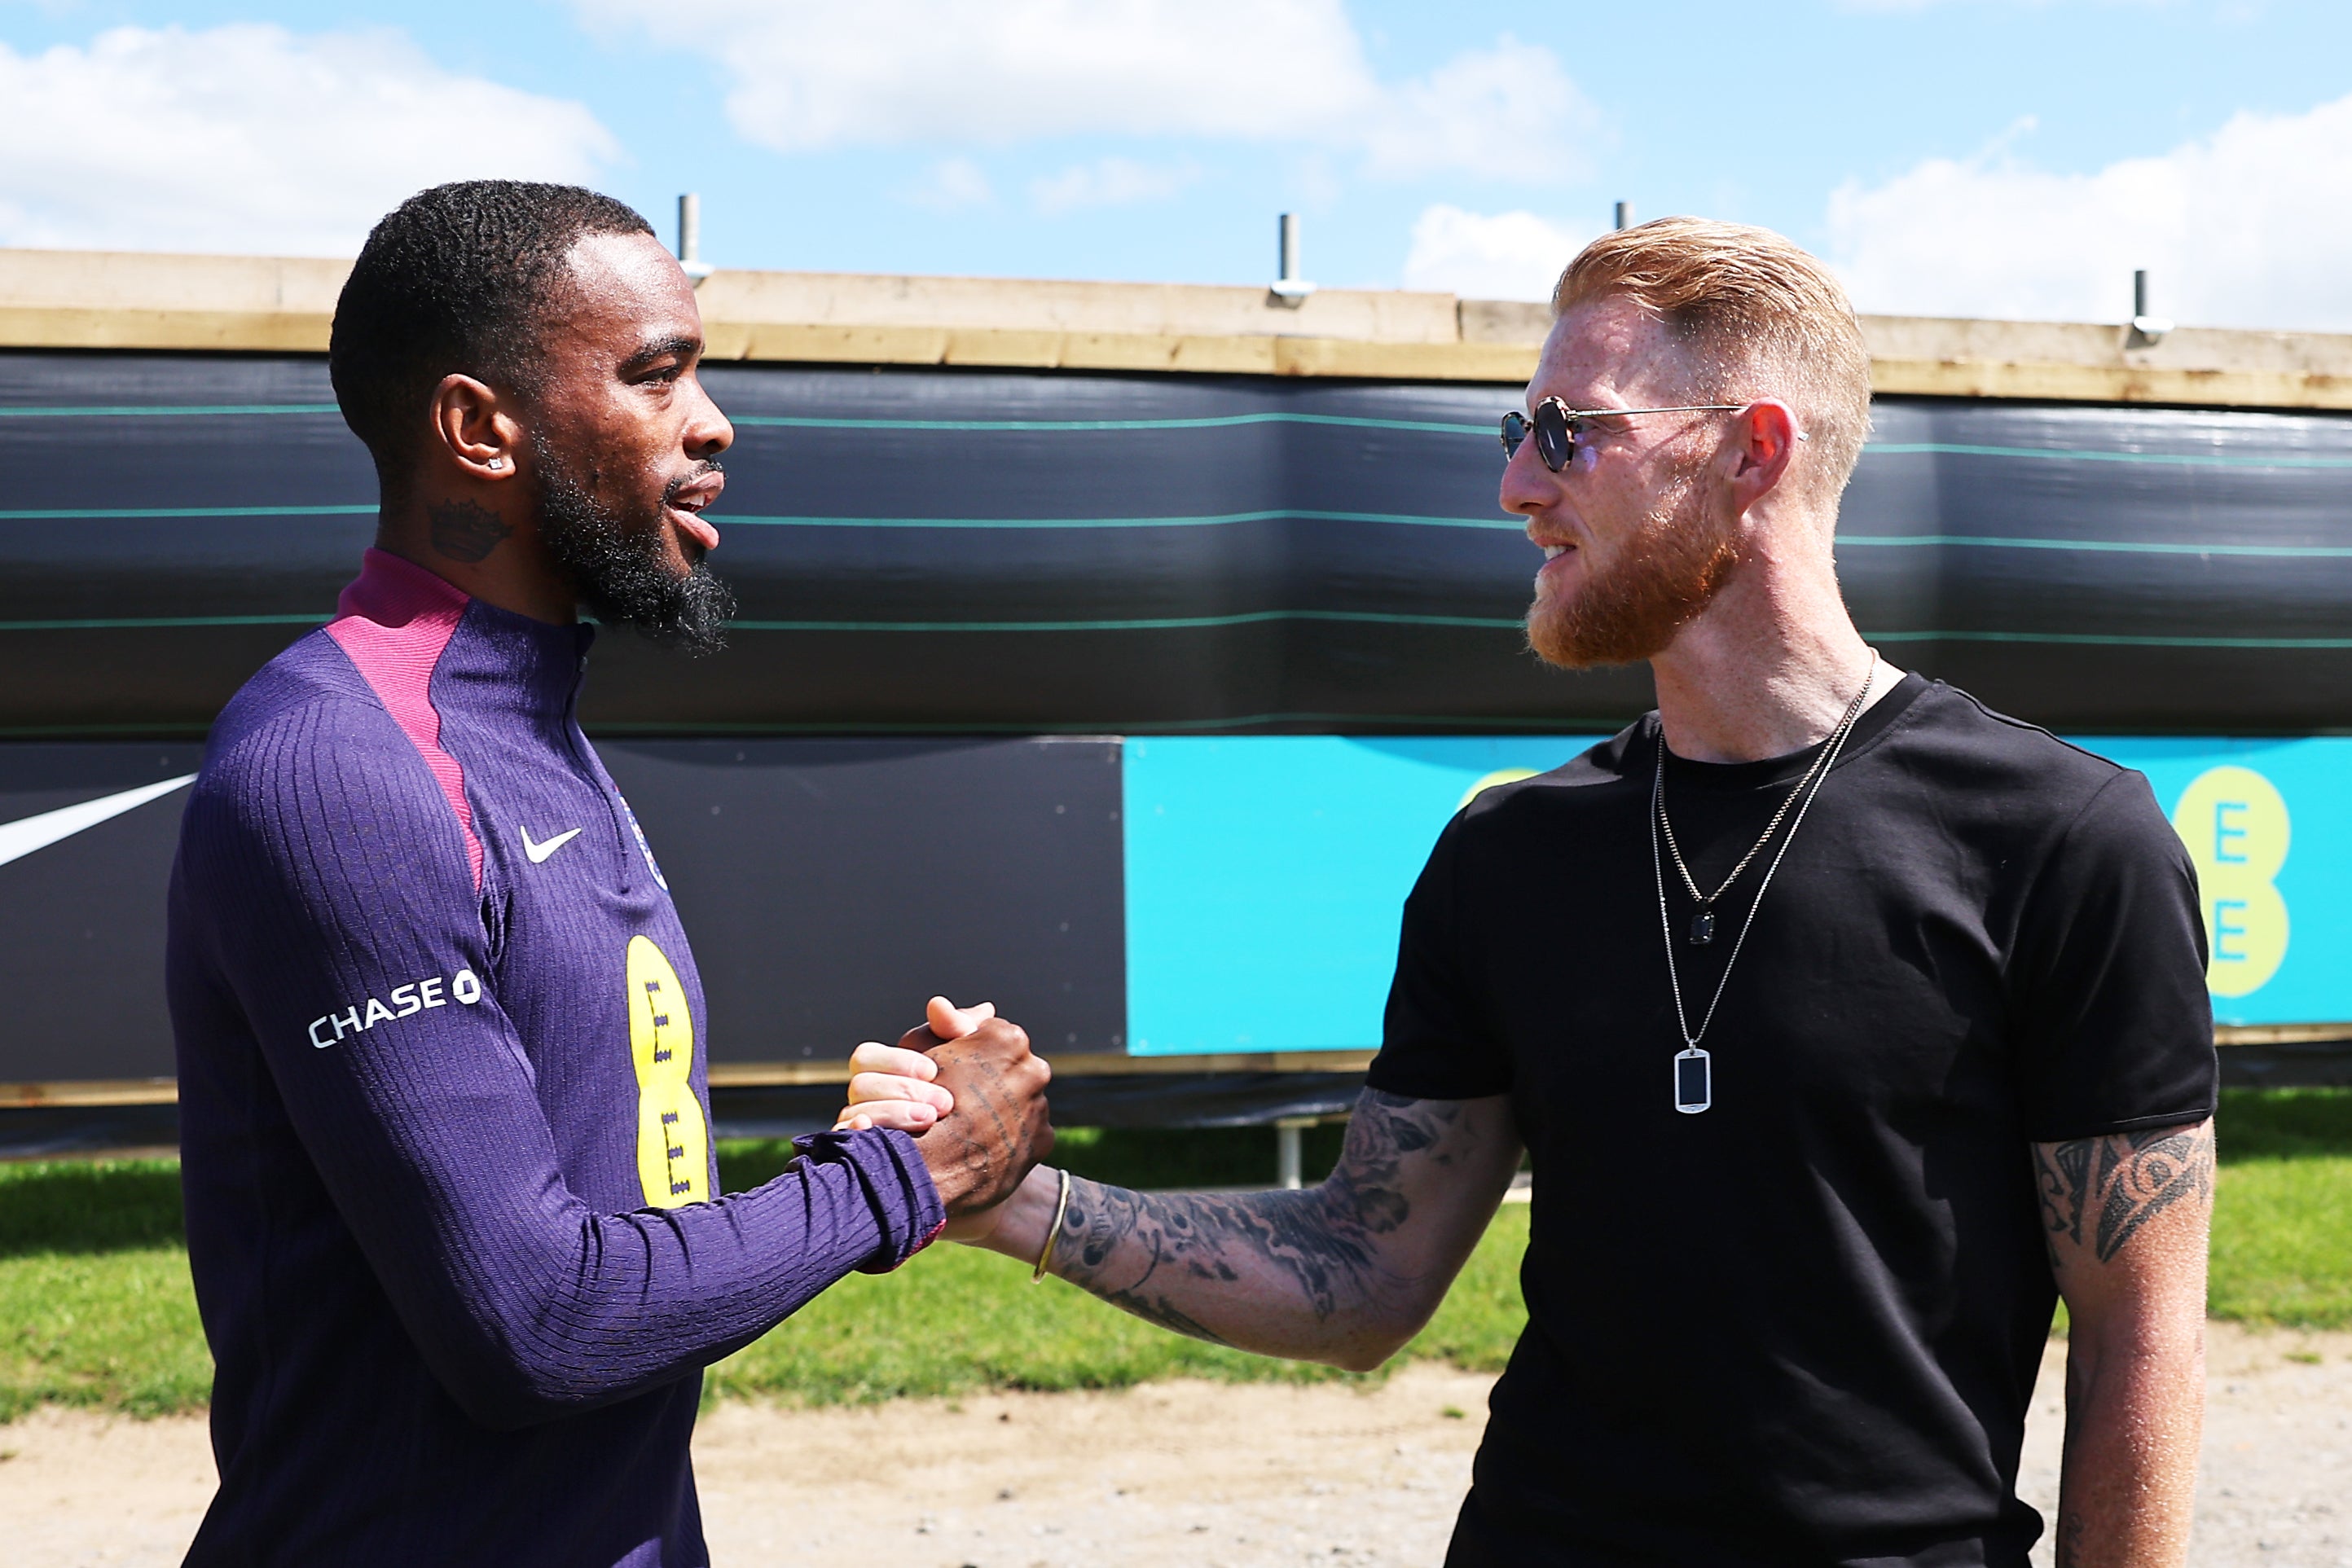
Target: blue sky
(1997, 156)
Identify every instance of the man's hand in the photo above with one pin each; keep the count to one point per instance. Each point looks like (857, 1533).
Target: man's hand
(969, 1087)
(979, 1152)
(896, 1085)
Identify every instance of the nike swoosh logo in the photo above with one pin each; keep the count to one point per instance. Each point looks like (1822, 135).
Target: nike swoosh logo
(26, 834)
(539, 852)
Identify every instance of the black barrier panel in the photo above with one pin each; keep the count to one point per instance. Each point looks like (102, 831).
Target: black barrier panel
(923, 550)
(86, 844)
(828, 888)
(1139, 1100)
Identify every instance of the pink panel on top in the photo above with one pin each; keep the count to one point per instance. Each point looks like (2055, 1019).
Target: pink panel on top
(393, 621)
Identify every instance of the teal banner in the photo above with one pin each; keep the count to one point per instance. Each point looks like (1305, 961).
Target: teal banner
(1266, 874)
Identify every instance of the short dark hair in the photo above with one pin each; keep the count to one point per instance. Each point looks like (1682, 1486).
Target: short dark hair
(451, 282)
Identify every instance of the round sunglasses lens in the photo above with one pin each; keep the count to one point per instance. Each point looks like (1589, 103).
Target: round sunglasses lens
(1555, 440)
(1515, 432)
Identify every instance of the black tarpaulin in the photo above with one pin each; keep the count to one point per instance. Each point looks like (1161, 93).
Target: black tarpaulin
(931, 549)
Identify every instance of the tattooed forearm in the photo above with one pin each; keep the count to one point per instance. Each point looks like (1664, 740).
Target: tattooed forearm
(466, 530)
(1308, 1256)
(2099, 1192)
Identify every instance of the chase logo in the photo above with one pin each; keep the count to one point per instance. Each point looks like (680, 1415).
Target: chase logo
(406, 1002)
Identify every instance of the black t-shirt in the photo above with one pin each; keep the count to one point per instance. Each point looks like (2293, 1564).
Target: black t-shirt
(1801, 1326)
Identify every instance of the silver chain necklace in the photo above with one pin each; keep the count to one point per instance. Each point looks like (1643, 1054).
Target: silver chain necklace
(1694, 1068)
(1702, 929)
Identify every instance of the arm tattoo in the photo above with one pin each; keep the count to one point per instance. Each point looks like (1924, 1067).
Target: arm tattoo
(464, 531)
(2073, 1534)
(1134, 1249)
(2115, 1185)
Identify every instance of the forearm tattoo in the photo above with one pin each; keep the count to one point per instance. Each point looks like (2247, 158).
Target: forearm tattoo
(2099, 1192)
(1147, 1251)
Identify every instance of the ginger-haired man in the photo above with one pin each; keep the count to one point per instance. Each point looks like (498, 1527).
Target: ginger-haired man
(1848, 1024)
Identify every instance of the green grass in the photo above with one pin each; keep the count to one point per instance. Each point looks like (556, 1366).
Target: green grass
(95, 1307)
(2283, 1211)
(955, 1321)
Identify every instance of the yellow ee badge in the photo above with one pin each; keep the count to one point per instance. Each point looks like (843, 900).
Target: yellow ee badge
(673, 1141)
(1500, 776)
(2234, 823)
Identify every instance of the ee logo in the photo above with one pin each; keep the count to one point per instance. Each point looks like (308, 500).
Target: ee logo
(2235, 825)
(1500, 776)
(673, 1140)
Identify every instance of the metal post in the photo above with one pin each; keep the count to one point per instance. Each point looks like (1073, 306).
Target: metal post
(1289, 290)
(1286, 1157)
(1624, 214)
(2145, 330)
(690, 227)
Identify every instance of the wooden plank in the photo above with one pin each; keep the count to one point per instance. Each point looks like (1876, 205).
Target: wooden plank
(70, 299)
(2118, 383)
(1103, 1064)
(91, 1092)
(2281, 1033)
(786, 1074)
(763, 1075)
(837, 343)
(83, 327)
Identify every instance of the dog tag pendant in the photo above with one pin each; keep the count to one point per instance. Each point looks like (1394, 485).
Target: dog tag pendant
(1702, 929)
(1694, 1081)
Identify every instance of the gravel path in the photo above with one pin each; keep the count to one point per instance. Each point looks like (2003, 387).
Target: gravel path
(1195, 1474)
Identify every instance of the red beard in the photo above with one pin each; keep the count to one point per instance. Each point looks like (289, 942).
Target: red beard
(1672, 568)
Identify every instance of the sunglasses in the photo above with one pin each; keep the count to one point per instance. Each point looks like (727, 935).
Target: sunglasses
(1559, 429)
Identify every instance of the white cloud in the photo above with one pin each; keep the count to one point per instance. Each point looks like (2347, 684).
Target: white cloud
(1508, 109)
(812, 74)
(250, 138)
(954, 183)
(1509, 256)
(1908, 7)
(1109, 182)
(2247, 227)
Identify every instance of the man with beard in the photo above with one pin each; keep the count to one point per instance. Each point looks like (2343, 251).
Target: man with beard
(1848, 1024)
(451, 1204)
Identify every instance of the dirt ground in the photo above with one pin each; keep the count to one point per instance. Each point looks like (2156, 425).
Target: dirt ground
(1188, 1473)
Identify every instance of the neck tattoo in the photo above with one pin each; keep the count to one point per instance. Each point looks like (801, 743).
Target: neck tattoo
(1694, 1068)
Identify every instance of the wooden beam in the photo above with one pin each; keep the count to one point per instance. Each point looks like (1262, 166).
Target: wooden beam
(91, 1092)
(68, 299)
(1103, 1064)
(761, 1075)
(2281, 1033)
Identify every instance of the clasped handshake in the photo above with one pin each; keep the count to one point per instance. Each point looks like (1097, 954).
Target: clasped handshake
(968, 1088)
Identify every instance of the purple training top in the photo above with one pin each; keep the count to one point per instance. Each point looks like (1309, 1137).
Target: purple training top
(444, 1125)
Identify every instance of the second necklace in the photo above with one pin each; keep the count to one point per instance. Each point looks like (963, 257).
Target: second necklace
(1694, 1067)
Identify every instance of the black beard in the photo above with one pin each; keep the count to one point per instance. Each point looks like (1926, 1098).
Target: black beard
(618, 566)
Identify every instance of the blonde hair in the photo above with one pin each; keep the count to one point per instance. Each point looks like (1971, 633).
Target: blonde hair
(1758, 317)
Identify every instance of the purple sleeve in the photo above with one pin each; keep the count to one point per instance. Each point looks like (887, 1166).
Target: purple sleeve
(321, 874)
